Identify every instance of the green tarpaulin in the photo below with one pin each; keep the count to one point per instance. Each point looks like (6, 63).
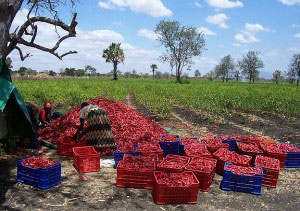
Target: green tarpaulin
(11, 99)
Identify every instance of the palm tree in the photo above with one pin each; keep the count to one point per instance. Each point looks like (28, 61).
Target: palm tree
(115, 55)
(154, 68)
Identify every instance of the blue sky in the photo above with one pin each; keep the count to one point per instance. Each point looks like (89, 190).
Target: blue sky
(229, 26)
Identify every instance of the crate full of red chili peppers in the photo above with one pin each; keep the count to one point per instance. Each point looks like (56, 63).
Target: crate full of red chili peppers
(187, 141)
(214, 144)
(271, 167)
(273, 151)
(39, 172)
(151, 149)
(136, 172)
(242, 179)
(86, 159)
(292, 155)
(199, 150)
(175, 188)
(65, 146)
(204, 169)
(122, 150)
(170, 144)
(251, 149)
(224, 155)
(173, 164)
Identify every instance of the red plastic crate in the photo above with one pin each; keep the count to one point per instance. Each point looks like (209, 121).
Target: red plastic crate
(86, 159)
(135, 178)
(240, 151)
(221, 161)
(171, 164)
(281, 156)
(65, 146)
(270, 176)
(210, 145)
(144, 150)
(205, 177)
(165, 194)
(199, 150)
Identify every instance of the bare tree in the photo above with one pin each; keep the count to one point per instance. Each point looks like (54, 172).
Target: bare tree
(15, 40)
(250, 65)
(294, 68)
(182, 44)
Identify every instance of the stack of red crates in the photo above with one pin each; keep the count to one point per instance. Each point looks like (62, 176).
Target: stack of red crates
(136, 171)
(271, 168)
(224, 155)
(214, 144)
(147, 149)
(199, 150)
(204, 169)
(173, 164)
(175, 188)
(86, 159)
(273, 151)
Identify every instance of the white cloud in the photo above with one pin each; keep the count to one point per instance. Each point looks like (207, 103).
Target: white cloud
(154, 8)
(294, 49)
(297, 35)
(290, 2)
(272, 54)
(151, 35)
(218, 19)
(197, 4)
(255, 27)
(237, 45)
(206, 31)
(246, 38)
(224, 4)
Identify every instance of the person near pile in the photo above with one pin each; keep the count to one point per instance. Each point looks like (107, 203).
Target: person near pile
(98, 132)
(45, 114)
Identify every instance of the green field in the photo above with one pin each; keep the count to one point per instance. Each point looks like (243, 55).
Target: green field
(161, 95)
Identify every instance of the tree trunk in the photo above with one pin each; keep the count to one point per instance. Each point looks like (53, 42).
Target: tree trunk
(153, 73)
(298, 81)
(223, 78)
(115, 71)
(178, 74)
(276, 80)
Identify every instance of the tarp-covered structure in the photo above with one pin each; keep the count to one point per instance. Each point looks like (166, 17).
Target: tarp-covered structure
(14, 117)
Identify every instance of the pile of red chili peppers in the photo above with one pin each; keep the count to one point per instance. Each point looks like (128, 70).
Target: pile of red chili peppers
(35, 162)
(233, 157)
(267, 162)
(127, 148)
(184, 179)
(197, 150)
(288, 148)
(128, 125)
(272, 148)
(202, 164)
(247, 147)
(248, 171)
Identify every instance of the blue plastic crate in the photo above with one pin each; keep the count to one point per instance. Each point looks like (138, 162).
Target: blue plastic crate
(118, 156)
(292, 159)
(40, 177)
(170, 152)
(181, 147)
(170, 146)
(242, 183)
(232, 144)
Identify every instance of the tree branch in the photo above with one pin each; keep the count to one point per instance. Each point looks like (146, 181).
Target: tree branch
(21, 54)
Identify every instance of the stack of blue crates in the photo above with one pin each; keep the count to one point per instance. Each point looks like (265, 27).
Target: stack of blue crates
(242, 183)
(43, 178)
(118, 156)
(170, 147)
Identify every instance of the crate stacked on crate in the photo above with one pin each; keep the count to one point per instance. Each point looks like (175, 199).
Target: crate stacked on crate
(271, 167)
(122, 150)
(214, 144)
(39, 172)
(187, 141)
(151, 149)
(224, 155)
(136, 171)
(86, 159)
(173, 164)
(175, 188)
(255, 139)
(199, 150)
(292, 155)
(273, 151)
(170, 144)
(242, 179)
(204, 169)
(65, 146)
(230, 141)
(251, 149)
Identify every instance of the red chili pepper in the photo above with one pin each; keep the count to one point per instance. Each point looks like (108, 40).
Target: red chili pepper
(35, 162)
(267, 162)
(197, 150)
(271, 148)
(288, 148)
(184, 179)
(228, 156)
(249, 171)
(248, 147)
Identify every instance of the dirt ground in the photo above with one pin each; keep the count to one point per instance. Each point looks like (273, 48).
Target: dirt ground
(93, 191)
